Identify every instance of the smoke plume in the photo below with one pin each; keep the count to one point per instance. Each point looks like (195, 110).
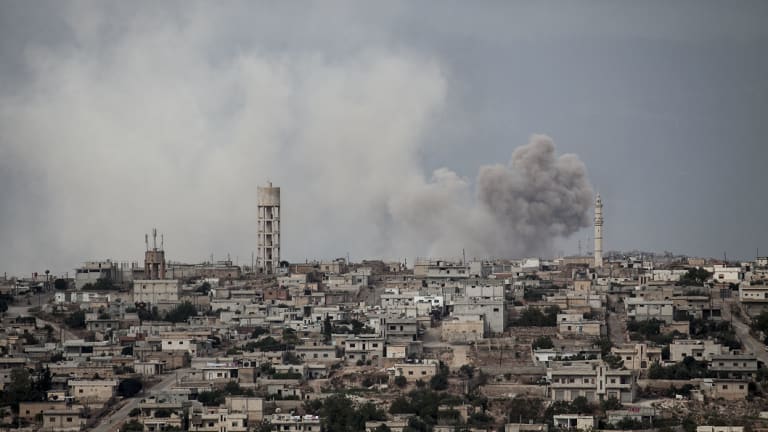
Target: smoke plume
(149, 124)
(538, 196)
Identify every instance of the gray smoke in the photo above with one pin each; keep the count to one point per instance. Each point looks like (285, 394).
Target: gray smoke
(152, 124)
(516, 210)
(537, 197)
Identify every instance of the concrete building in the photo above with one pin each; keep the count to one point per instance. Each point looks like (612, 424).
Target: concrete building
(462, 329)
(293, 423)
(252, 407)
(641, 309)
(157, 291)
(92, 391)
(574, 422)
(725, 274)
(92, 271)
(413, 372)
(699, 349)
(734, 365)
(440, 269)
(574, 324)
(598, 232)
(725, 388)
(64, 420)
(638, 356)
(593, 380)
(493, 311)
(268, 248)
(362, 348)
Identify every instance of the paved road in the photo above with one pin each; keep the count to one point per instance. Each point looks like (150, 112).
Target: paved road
(751, 344)
(115, 419)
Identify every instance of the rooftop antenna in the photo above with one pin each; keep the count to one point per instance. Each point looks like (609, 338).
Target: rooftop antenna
(162, 242)
(146, 241)
(154, 238)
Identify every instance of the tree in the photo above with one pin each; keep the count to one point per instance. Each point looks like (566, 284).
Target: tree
(327, 329)
(129, 387)
(694, 277)
(181, 313)
(211, 398)
(543, 342)
(134, 412)
(132, 426)
(60, 284)
(204, 289)
(612, 403)
(401, 381)
(289, 336)
(76, 320)
(440, 380)
(19, 389)
(467, 371)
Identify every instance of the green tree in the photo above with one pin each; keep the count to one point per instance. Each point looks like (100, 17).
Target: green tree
(181, 313)
(543, 342)
(76, 320)
(694, 277)
(132, 426)
(129, 387)
(440, 380)
(401, 381)
(289, 336)
(60, 284)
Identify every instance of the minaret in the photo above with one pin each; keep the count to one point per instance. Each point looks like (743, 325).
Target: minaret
(268, 251)
(598, 232)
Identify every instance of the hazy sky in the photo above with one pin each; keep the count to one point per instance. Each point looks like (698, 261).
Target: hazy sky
(116, 117)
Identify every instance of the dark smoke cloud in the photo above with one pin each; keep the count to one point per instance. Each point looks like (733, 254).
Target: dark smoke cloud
(516, 210)
(537, 197)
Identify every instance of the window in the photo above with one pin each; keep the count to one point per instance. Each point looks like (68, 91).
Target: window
(410, 372)
(613, 380)
(725, 386)
(741, 387)
(69, 419)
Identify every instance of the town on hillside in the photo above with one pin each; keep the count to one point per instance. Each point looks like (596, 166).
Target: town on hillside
(605, 341)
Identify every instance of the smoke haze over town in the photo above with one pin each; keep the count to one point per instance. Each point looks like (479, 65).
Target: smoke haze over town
(389, 135)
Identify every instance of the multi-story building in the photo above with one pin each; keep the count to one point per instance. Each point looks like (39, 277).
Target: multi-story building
(593, 380)
(574, 324)
(493, 311)
(401, 329)
(92, 271)
(293, 423)
(641, 309)
(734, 365)
(638, 356)
(363, 348)
(157, 291)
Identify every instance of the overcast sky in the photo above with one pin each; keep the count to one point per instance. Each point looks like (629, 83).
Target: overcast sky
(116, 117)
